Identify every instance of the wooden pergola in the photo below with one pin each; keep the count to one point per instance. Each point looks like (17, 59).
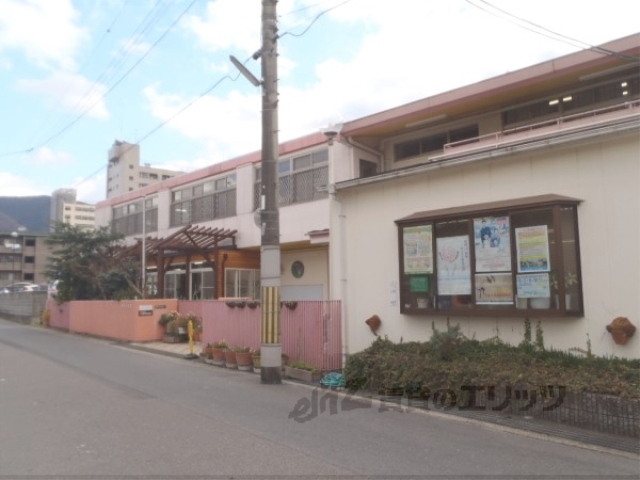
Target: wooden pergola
(185, 244)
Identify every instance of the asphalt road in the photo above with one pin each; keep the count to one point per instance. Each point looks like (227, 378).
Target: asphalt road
(77, 407)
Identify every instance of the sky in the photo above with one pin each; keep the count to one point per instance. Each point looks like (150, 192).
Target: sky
(76, 75)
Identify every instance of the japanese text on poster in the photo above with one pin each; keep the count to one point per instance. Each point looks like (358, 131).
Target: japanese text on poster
(454, 271)
(533, 286)
(492, 244)
(494, 288)
(418, 250)
(532, 245)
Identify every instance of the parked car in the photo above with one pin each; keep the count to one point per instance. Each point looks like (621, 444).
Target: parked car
(20, 287)
(53, 288)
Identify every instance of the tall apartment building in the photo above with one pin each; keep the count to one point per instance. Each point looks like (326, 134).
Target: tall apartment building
(124, 173)
(65, 208)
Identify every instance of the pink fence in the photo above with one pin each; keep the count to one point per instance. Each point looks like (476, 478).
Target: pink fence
(310, 333)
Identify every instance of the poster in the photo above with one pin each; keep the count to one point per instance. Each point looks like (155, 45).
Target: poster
(454, 271)
(532, 244)
(533, 286)
(418, 249)
(494, 289)
(492, 244)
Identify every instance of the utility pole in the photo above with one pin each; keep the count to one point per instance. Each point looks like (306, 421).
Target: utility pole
(271, 349)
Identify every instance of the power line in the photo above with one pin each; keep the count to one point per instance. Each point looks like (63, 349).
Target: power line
(112, 67)
(82, 67)
(314, 20)
(560, 37)
(162, 124)
(60, 132)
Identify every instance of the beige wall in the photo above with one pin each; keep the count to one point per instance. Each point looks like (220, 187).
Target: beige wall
(316, 271)
(605, 175)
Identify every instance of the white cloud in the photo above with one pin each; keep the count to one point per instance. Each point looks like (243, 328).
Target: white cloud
(46, 157)
(135, 46)
(224, 125)
(19, 186)
(45, 30)
(411, 51)
(69, 92)
(92, 189)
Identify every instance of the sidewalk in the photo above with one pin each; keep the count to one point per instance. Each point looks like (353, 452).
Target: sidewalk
(565, 433)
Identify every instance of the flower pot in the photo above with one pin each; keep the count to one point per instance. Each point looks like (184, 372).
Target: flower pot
(244, 361)
(230, 359)
(208, 354)
(540, 303)
(309, 376)
(218, 357)
(521, 303)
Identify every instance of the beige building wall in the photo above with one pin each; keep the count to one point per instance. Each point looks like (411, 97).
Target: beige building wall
(605, 174)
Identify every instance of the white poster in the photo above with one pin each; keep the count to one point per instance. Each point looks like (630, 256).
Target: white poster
(418, 249)
(454, 271)
(533, 286)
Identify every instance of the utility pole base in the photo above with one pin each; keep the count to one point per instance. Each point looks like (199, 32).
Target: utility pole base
(271, 375)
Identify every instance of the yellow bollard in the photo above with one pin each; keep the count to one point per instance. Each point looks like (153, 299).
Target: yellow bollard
(191, 355)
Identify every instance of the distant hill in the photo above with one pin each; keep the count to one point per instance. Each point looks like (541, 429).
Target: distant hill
(33, 213)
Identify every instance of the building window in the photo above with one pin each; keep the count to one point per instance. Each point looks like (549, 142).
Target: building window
(434, 142)
(300, 179)
(624, 87)
(242, 283)
(30, 242)
(29, 259)
(510, 258)
(28, 276)
(206, 201)
(127, 219)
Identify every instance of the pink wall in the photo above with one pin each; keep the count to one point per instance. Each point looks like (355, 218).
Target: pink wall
(112, 319)
(59, 314)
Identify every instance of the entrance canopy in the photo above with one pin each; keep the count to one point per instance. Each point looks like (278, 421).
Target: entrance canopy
(186, 243)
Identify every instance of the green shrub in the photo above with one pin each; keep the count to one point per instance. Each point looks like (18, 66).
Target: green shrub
(449, 360)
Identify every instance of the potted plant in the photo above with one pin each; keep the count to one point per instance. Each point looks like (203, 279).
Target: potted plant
(208, 353)
(255, 358)
(244, 358)
(291, 305)
(165, 318)
(570, 279)
(217, 353)
(303, 371)
(230, 358)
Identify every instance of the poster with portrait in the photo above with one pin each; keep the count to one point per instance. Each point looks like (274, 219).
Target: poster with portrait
(532, 248)
(454, 271)
(492, 244)
(494, 289)
(418, 249)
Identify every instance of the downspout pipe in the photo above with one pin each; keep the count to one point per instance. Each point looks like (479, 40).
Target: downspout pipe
(366, 148)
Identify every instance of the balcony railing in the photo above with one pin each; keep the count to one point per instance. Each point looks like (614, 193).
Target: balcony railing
(541, 128)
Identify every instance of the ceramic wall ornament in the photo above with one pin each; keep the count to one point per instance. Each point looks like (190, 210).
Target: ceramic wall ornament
(621, 329)
(374, 323)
